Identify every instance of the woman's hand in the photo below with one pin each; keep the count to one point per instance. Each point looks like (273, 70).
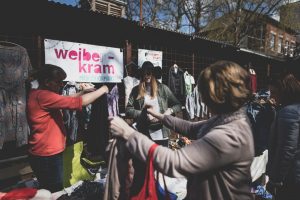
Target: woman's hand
(84, 86)
(119, 128)
(169, 111)
(153, 113)
(104, 88)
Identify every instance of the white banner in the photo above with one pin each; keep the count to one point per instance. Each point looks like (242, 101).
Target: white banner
(84, 62)
(148, 55)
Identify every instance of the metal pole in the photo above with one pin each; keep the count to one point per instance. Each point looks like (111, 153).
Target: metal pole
(13, 159)
(141, 12)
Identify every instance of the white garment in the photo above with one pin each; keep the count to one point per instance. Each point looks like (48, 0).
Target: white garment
(34, 84)
(258, 165)
(42, 194)
(201, 109)
(252, 71)
(129, 83)
(196, 96)
(155, 135)
(189, 82)
(175, 185)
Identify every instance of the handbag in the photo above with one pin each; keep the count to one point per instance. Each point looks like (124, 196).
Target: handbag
(163, 193)
(149, 190)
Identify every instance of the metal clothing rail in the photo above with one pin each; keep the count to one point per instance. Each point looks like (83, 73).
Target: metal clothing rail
(13, 159)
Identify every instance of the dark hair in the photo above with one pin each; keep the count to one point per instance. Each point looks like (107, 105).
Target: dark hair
(224, 87)
(49, 72)
(288, 87)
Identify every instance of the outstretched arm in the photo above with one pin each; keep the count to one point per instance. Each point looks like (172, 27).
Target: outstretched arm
(181, 126)
(92, 96)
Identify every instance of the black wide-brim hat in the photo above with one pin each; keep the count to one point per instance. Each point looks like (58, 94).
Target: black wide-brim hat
(148, 66)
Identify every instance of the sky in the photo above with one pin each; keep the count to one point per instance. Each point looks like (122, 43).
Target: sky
(68, 2)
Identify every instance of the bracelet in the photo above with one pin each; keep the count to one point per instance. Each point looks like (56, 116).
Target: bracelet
(276, 184)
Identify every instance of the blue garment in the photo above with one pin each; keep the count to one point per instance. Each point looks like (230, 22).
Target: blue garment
(48, 170)
(262, 193)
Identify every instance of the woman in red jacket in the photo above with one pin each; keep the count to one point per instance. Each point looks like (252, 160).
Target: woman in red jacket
(48, 135)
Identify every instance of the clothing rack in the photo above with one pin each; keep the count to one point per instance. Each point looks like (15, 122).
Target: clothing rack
(8, 43)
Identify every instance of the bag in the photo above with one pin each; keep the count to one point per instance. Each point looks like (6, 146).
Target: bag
(149, 190)
(164, 193)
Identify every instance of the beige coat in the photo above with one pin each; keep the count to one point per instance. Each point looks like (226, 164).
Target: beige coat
(217, 164)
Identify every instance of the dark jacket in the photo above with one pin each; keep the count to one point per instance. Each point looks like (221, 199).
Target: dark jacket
(284, 147)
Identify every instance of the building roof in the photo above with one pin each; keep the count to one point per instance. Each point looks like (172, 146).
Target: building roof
(54, 20)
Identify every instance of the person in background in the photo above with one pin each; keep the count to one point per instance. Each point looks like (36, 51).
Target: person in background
(152, 92)
(47, 140)
(283, 166)
(217, 164)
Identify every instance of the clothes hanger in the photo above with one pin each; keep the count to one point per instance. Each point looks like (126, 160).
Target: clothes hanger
(130, 63)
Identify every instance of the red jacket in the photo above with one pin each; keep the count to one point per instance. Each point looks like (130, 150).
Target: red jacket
(45, 120)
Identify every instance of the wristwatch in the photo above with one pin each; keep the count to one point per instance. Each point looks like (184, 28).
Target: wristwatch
(172, 111)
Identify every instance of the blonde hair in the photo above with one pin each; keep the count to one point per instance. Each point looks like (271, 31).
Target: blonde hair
(224, 86)
(142, 87)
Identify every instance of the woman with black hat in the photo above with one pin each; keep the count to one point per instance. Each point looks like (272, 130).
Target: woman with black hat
(149, 93)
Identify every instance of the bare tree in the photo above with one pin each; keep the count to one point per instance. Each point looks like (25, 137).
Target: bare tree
(243, 16)
(151, 11)
(197, 11)
(290, 15)
(133, 9)
(172, 14)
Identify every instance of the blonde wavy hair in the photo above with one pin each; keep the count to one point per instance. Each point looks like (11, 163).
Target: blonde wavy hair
(142, 87)
(224, 87)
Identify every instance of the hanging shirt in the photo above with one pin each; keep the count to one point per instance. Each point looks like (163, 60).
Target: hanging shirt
(70, 117)
(190, 106)
(253, 80)
(113, 102)
(14, 68)
(189, 82)
(176, 82)
(129, 83)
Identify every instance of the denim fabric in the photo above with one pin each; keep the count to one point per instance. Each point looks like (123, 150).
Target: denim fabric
(190, 105)
(48, 170)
